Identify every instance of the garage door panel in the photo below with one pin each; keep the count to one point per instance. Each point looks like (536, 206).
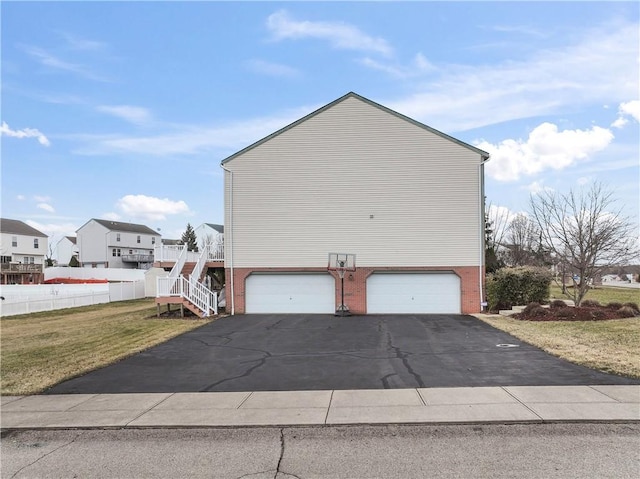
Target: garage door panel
(413, 293)
(290, 293)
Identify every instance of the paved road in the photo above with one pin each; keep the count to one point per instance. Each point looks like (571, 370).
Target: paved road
(524, 451)
(322, 352)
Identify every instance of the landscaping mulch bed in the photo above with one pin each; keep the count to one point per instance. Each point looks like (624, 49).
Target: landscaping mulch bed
(590, 312)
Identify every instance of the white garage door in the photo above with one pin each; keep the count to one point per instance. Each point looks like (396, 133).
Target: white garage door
(290, 293)
(413, 293)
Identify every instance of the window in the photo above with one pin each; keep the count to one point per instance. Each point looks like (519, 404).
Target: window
(153, 240)
(26, 259)
(138, 240)
(116, 252)
(117, 236)
(5, 259)
(35, 243)
(14, 241)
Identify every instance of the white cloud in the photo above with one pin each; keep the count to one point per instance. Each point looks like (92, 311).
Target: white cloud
(42, 199)
(339, 34)
(189, 140)
(537, 187)
(151, 208)
(25, 133)
(463, 97)
(46, 207)
(272, 69)
(419, 66)
(625, 110)
(51, 61)
(52, 229)
(77, 43)
(111, 216)
(133, 114)
(21, 197)
(583, 180)
(545, 149)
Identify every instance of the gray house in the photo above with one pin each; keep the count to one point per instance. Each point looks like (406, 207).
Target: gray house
(114, 244)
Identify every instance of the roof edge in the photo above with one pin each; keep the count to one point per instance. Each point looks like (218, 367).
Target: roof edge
(482, 153)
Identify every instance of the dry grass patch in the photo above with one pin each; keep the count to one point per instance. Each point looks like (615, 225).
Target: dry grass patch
(610, 346)
(603, 295)
(43, 349)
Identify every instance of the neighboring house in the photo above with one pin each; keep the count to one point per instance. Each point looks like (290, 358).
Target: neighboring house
(209, 233)
(355, 177)
(113, 244)
(66, 248)
(23, 250)
(171, 242)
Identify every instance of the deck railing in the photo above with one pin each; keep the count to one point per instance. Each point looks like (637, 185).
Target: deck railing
(171, 253)
(192, 290)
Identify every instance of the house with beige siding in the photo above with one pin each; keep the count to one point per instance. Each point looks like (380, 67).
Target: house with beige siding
(355, 177)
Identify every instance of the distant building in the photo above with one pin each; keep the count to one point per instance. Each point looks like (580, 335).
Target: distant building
(66, 249)
(209, 233)
(22, 252)
(114, 244)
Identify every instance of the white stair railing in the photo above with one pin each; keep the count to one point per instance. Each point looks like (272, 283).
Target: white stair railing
(193, 291)
(177, 267)
(202, 261)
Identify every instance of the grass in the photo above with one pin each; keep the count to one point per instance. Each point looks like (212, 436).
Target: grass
(610, 346)
(42, 349)
(602, 295)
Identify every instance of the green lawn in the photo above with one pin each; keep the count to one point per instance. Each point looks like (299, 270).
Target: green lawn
(610, 346)
(42, 349)
(603, 295)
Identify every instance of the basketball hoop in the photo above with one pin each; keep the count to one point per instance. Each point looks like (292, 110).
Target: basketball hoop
(341, 263)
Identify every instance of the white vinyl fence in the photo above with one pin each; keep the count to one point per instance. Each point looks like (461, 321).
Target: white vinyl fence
(25, 299)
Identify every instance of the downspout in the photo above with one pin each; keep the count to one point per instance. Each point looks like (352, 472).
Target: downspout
(482, 228)
(230, 241)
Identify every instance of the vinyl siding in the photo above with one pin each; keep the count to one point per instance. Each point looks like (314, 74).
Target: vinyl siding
(312, 190)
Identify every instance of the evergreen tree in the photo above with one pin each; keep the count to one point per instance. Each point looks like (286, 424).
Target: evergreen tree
(189, 238)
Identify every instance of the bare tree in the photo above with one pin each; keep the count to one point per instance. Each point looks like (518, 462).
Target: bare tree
(498, 219)
(522, 241)
(584, 231)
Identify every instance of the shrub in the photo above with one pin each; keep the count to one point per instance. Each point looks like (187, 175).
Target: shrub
(614, 305)
(564, 313)
(558, 303)
(634, 306)
(590, 303)
(534, 310)
(522, 285)
(598, 314)
(627, 312)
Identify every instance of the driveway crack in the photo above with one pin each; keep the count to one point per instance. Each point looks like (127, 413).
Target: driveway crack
(403, 356)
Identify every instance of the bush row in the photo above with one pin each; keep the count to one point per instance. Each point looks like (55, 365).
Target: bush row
(508, 287)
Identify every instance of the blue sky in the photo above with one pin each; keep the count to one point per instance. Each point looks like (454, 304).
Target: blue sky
(123, 110)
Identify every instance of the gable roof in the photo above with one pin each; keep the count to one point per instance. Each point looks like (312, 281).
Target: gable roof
(18, 227)
(218, 228)
(124, 227)
(71, 238)
(351, 94)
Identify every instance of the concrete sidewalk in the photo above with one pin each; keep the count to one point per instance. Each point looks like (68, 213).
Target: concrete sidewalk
(517, 404)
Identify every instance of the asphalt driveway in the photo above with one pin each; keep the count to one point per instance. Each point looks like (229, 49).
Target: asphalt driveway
(320, 352)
